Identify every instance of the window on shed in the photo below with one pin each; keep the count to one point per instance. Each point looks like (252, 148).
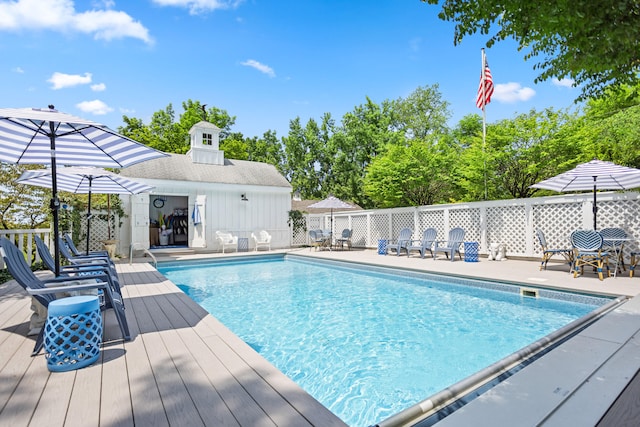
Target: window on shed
(207, 139)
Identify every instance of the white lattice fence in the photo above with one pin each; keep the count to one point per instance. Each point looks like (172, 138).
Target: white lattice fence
(512, 222)
(99, 232)
(504, 225)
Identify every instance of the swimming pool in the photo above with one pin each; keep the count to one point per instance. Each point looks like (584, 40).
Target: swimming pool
(368, 343)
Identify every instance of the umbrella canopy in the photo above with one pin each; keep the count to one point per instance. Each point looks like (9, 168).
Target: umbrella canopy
(47, 136)
(332, 203)
(84, 180)
(594, 175)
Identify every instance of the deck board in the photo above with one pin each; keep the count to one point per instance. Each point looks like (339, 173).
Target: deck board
(181, 367)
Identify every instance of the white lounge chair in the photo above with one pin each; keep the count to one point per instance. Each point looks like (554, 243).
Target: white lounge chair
(263, 239)
(227, 240)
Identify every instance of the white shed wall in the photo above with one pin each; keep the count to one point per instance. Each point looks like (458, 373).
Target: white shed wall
(266, 209)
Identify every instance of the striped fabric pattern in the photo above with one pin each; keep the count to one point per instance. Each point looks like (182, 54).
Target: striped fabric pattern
(81, 180)
(602, 175)
(25, 138)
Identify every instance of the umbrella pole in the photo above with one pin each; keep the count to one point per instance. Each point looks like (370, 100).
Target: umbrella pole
(55, 203)
(595, 208)
(89, 214)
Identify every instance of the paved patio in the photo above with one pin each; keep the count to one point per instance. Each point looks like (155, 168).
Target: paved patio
(183, 367)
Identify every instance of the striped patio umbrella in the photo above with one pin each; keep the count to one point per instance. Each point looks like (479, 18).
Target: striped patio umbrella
(594, 175)
(49, 137)
(84, 180)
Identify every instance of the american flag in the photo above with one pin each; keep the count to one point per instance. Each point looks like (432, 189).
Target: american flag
(484, 96)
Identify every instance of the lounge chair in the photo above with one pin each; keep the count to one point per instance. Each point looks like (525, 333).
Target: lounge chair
(452, 245)
(263, 239)
(344, 239)
(75, 252)
(588, 250)
(44, 291)
(428, 238)
(85, 259)
(77, 271)
(227, 240)
(402, 242)
(547, 253)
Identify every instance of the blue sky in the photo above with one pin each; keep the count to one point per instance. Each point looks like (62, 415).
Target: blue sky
(265, 62)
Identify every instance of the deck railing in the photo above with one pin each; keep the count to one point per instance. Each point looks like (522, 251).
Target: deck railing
(23, 239)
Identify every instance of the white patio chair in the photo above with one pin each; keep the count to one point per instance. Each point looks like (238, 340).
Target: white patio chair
(227, 240)
(263, 239)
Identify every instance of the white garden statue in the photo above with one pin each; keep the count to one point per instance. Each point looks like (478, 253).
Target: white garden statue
(497, 252)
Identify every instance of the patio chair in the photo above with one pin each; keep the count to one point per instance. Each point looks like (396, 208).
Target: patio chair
(588, 250)
(635, 257)
(547, 253)
(46, 290)
(428, 238)
(77, 271)
(613, 242)
(263, 239)
(227, 240)
(402, 242)
(450, 246)
(85, 259)
(319, 239)
(74, 250)
(344, 239)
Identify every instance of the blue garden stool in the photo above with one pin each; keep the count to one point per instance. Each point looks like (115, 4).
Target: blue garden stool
(382, 246)
(471, 251)
(73, 333)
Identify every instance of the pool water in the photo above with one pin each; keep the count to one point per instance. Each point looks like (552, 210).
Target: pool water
(368, 344)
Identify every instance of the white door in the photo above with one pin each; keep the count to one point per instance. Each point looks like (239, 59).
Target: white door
(198, 222)
(140, 219)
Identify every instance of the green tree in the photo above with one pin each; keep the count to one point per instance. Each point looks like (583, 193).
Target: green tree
(414, 174)
(595, 43)
(267, 149)
(21, 205)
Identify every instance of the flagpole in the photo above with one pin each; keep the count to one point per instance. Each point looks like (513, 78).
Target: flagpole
(484, 125)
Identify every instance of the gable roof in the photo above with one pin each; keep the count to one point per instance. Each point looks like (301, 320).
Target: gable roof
(179, 167)
(303, 206)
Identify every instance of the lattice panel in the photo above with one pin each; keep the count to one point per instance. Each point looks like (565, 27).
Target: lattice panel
(431, 219)
(339, 224)
(623, 214)
(299, 237)
(504, 225)
(99, 232)
(402, 220)
(556, 221)
(469, 220)
(359, 227)
(379, 228)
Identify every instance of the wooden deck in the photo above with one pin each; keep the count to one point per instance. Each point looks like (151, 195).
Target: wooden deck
(181, 368)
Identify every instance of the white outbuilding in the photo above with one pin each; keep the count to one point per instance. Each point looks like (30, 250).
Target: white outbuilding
(201, 192)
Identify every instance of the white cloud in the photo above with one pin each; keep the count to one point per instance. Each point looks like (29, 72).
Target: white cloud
(260, 67)
(18, 70)
(126, 110)
(563, 83)
(60, 15)
(98, 87)
(61, 80)
(96, 107)
(200, 6)
(512, 92)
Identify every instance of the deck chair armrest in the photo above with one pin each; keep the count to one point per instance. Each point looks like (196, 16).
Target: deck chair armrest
(52, 289)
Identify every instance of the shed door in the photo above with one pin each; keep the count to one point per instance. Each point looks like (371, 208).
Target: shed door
(199, 228)
(140, 219)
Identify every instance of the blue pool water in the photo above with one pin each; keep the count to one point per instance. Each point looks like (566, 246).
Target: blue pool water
(368, 344)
